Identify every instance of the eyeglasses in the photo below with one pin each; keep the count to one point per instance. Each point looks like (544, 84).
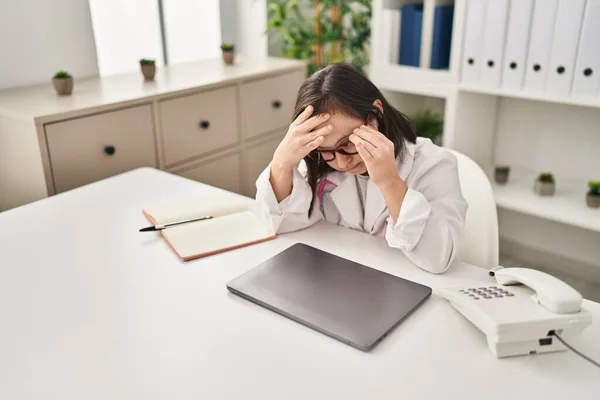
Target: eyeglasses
(346, 148)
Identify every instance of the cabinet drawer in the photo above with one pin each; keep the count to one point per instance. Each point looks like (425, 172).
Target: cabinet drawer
(196, 124)
(268, 104)
(88, 149)
(257, 159)
(223, 173)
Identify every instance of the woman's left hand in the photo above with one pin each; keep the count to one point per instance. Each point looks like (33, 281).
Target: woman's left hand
(377, 152)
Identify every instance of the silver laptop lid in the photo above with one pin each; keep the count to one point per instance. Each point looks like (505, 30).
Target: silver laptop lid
(343, 299)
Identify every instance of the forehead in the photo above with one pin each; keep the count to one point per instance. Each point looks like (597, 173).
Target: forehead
(343, 125)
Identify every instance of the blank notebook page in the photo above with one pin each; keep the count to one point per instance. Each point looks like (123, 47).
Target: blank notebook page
(215, 205)
(215, 235)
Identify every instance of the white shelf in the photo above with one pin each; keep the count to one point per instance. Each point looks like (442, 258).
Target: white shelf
(421, 81)
(586, 102)
(567, 206)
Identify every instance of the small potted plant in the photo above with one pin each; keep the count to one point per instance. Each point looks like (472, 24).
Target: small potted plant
(545, 185)
(429, 125)
(501, 173)
(228, 53)
(63, 83)
(148, 68)
(593, 196)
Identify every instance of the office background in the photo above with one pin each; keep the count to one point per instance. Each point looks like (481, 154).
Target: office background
(534, 120)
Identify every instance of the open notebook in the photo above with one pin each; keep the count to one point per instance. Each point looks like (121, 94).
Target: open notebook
(233, 225)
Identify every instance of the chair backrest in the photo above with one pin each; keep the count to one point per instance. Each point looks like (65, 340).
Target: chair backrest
(480, 243)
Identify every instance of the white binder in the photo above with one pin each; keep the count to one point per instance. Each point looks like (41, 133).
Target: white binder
(471, 63)
(586, 82)
(564, 47)
(391, 36)
(517, 38)
(493, 43)
(540, 43)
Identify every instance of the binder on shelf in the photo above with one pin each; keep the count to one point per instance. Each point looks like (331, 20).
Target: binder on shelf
(493, 42)
(471, 60)
(442, 37)
(517, 38)
(540, 44)
(564, 46)
(411, 24)
(391, 35)
(586, 82)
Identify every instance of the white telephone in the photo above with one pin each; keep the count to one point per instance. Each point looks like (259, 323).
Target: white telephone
(521, 320)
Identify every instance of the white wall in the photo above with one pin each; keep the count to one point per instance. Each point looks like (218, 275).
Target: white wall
(40, 37)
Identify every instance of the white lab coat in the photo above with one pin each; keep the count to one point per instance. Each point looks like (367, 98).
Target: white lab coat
(431, 217)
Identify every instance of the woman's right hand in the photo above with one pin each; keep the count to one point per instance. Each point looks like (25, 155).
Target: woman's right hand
(301, 139)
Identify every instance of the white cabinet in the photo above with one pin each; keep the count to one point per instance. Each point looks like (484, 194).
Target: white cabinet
(197, 124)
(96, 147)
(265, 107)
(206, 121)
(258, 156)
(222, 172)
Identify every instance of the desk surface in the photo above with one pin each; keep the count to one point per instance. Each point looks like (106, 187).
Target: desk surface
(92, 309)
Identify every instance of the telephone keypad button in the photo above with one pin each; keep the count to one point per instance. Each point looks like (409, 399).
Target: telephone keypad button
(509, 294)
(475, 298)
(487, 297)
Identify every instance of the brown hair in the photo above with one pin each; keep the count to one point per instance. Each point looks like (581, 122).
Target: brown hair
(340, 88)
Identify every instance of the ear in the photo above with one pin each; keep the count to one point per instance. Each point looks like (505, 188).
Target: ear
(379, 105)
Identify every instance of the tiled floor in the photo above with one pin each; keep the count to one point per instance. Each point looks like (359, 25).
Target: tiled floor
(587, 286)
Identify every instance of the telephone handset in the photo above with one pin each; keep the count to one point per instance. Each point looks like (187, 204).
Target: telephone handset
(552, 293)
(522, 309)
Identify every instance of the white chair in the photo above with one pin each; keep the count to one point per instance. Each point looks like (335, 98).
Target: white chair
(480, 242)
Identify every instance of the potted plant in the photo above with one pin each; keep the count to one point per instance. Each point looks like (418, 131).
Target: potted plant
(63, 83)
(501, 173)
(593, 196)
(429, 125)
(228, 53)
(148, 68)
(545, 185)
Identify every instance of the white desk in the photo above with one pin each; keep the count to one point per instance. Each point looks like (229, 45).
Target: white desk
(92, 309)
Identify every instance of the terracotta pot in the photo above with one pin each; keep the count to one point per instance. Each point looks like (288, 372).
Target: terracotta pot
(545, 188)
(501, 175)
(228, 57)
(593, 200)
(148, 71)
(63, 86)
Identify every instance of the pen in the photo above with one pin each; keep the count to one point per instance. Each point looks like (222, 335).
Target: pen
(164, 226)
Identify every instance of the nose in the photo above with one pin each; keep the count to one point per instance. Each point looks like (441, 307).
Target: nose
(345, 161)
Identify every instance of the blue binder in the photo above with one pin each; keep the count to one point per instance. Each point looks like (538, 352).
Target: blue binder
(442, 37)
(411, 23)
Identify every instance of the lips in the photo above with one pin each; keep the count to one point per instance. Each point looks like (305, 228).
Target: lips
(352, 168)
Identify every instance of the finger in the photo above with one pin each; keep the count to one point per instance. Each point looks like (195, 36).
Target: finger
(375, 137)
(304, 115)
(375, 132)
(364, 153)
(313, 144)
(314, 121)
(366, 136)
(365, 149)
(322, 131)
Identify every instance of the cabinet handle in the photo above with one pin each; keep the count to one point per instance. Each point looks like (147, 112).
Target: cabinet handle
(588, 72)
(204, 124)
(513, 65)
(276, 104)
(537, 67)
(560, 70)
(110, 150)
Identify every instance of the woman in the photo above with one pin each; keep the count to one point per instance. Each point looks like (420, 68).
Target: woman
(365, 169)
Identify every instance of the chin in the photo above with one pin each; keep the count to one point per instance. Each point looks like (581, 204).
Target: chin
(358, 170)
